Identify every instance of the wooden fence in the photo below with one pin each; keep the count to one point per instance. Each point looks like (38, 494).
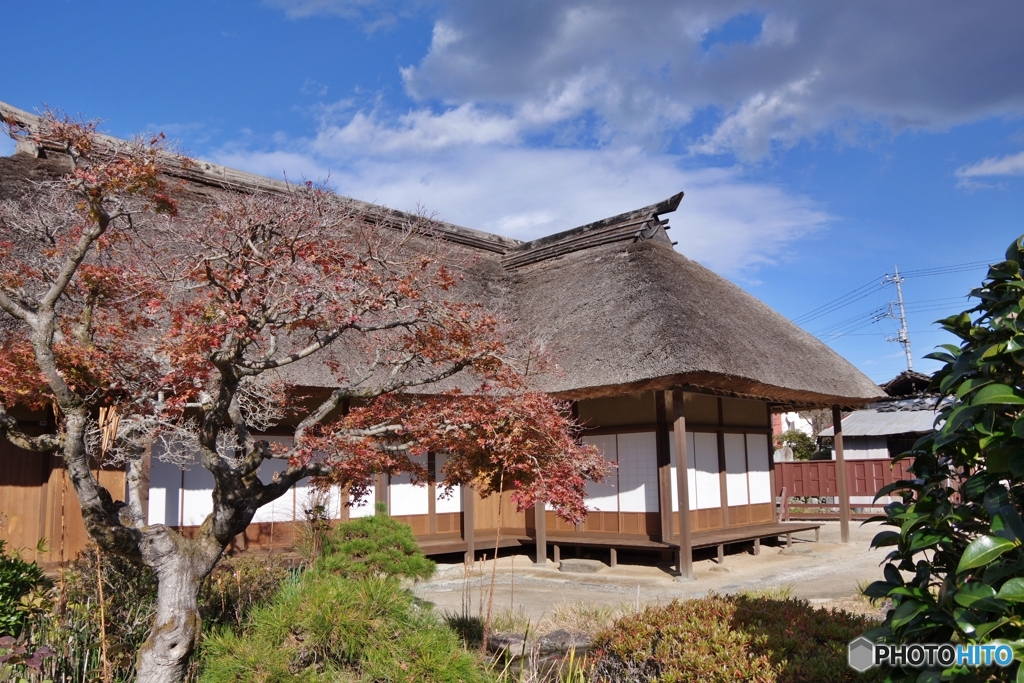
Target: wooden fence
(816, 479)
(40, 504)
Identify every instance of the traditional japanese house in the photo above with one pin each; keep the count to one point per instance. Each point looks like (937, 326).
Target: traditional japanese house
(663, 361)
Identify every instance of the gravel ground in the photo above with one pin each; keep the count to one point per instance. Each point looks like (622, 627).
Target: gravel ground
(826, 573)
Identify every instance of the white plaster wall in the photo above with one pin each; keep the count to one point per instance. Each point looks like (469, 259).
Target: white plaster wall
(364, 507)
(603, 496)
(638, 472)
(736, 469)
(407, 498)
(164, 492)
(691, 473)
(706, 482)
(451, 502)
(759, 475)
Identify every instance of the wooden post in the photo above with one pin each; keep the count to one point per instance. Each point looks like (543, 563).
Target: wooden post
(614, 559)
(540, 526)
(844, 499)
(469, 522)
(721, 553)
(682, 464)
(664, 467)
(381, 492)
(757, 546)
(431, 493)
(723, 474)
(558, 553)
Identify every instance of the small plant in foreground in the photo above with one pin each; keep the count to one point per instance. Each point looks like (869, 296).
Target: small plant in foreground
(17, 578)
(238, 584)
(729, 638)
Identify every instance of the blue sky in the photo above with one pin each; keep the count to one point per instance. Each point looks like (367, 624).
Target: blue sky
(819, 144)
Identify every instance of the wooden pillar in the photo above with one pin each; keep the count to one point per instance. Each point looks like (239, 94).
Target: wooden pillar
(469, 521)
(381, 491)
(558, 553)
(431, 494)
(682, 463)
(614, 558)
(664, 466)
(723, 474)
(771, 465)
(540, 527)
(757, 546)
(844, 498)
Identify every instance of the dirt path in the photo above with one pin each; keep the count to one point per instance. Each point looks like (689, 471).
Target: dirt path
(825, 573)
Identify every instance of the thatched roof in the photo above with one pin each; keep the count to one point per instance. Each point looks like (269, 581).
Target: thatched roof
(615, 305)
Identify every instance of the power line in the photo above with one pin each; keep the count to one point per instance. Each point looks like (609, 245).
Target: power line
(841, 302)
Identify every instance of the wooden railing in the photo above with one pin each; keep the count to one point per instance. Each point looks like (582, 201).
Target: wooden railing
(797, 483)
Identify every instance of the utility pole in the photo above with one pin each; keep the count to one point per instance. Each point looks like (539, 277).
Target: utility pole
(903, 337)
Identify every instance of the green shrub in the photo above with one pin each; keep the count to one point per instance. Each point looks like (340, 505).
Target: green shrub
(956, 538)
(803, 445)
(323, 626)
(371, 546)
(730, 638)
(17, 578)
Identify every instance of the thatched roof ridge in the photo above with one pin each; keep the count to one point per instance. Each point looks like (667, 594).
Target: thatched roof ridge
(636, 225)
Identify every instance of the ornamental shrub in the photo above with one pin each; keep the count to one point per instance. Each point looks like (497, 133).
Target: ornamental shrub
(376, 545)
(730, 638)
(323, 626)
(955, 571)
(17, 578)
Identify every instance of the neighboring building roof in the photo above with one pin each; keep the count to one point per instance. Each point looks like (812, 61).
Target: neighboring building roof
(617, 306)
(908, 416)
(907, 383)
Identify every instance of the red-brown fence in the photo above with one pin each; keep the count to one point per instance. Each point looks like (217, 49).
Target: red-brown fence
(817, 479)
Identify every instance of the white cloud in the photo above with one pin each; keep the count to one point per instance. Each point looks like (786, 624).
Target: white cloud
(761, 120)
(729, 223)
(812, 67)
(420, 130)
(1012, 164)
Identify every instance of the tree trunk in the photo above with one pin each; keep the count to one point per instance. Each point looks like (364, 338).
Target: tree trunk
(180, 565)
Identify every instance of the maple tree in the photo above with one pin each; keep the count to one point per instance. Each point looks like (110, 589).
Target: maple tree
(142, 312)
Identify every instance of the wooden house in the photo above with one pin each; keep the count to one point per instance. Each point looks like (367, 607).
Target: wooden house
(663, 361)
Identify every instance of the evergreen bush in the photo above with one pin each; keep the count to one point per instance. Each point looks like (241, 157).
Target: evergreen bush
(375, 545)
(324, 626)
(956, 561)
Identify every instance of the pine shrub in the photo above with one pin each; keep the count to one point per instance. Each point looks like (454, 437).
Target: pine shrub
(375, 546)
(324, 626)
